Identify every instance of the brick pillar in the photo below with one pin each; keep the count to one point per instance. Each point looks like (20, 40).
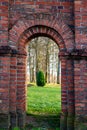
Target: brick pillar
(63, 122)
(67, 86)
(4, 66)
(13, 91)
(4, 90)
(21, 89)
(70, 94)
(80, 93)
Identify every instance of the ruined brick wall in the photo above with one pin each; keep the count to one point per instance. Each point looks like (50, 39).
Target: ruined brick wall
(64, 21)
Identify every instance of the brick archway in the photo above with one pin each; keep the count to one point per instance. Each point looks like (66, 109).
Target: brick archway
(17, 17)
(53, 27)
(23, 31)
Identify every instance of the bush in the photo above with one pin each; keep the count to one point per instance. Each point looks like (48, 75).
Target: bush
(40, 78)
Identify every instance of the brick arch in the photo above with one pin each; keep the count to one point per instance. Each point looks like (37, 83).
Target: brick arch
(18, 16)
(23, 31)
(55, 29)
(36, 31)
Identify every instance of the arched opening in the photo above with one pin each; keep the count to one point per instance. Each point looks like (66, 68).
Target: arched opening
(22, 47)
(65, 43)
(43, 102)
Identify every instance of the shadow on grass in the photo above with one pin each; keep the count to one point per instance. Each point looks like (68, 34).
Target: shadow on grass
(30, 85)
(46, 122)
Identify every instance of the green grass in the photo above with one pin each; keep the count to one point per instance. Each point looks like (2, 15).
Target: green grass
(44, 100)
(44, 104)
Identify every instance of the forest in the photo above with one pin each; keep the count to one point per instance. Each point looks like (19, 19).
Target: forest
(43, 55)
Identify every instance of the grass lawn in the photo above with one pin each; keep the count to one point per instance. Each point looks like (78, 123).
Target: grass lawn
(44, 104)
(44, 100)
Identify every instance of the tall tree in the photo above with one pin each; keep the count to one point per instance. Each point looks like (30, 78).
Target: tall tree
(43, 55)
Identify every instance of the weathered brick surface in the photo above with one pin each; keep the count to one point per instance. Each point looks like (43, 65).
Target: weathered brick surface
(21, 83)
(4, 84)
(64, 21)
(4, 22)
(81, 23)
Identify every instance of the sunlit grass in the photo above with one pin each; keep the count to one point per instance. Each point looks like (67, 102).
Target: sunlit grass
(44, 100)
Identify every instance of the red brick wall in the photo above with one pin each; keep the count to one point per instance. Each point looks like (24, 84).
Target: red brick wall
(13, 84)
(80, 66)
(4, 61)
(21, 83)
(20, 8)
(65, 22)
(4, 22)
(4, 84)
(81, 23)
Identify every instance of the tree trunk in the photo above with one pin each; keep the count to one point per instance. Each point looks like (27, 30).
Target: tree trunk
(58, 72)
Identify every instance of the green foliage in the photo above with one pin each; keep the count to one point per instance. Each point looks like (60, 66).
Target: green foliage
(40, 79)
(16, 128)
